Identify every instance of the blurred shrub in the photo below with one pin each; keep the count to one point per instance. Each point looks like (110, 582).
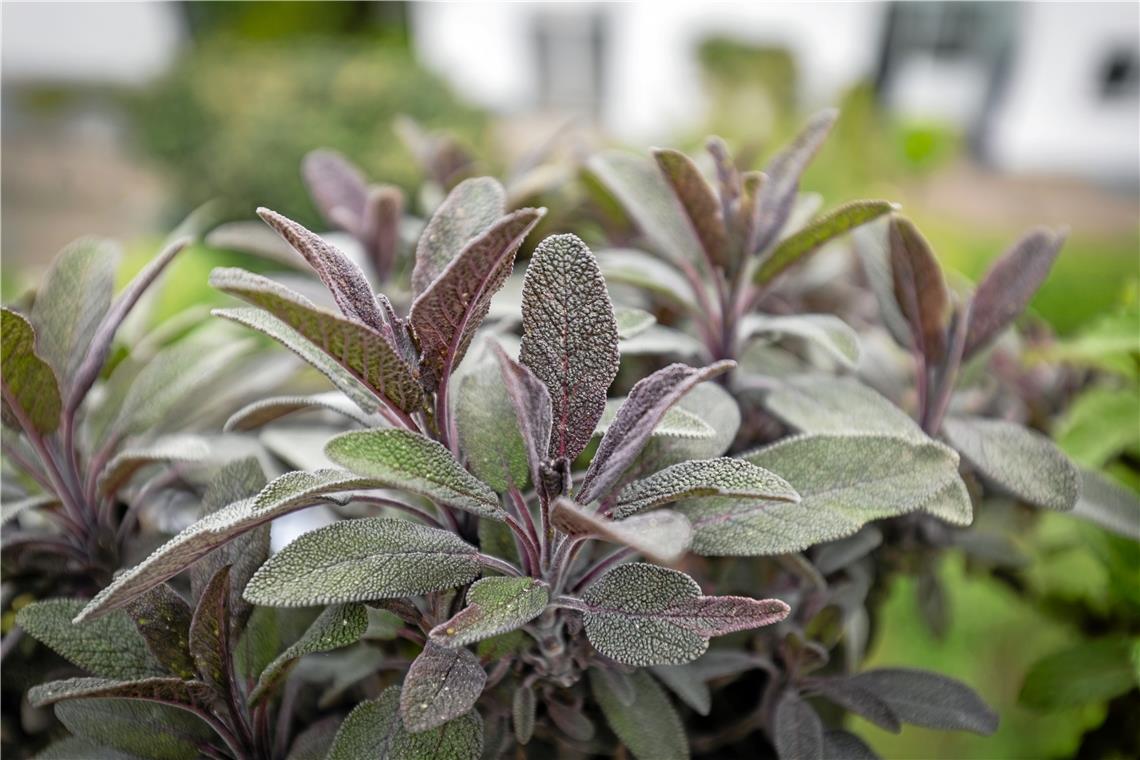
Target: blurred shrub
(233, 119)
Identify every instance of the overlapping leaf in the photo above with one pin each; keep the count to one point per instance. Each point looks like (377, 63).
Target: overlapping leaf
(494, 605)
(826, 404)
(828, 332)
(142, 729)
(374, 730)
(724, 476)
(442, 684)
(699, 202)
(129, 461)
(648, 723)
(468, 210)
(677, 422)
(644, 271)
(644, 615)
(489, 429)
(28, 380)
(798, 729)
(662, 536)
(919, 288)
(163, 618)
(165, 690)
(267, 410)
(338, 188)
(928, 699)
(210, 632)
(1109, 505)
(530, 402)
(632, 322)
(110, 647)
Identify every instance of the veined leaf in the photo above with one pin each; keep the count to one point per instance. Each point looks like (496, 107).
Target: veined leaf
(210, 632)
(632, 322)
(469, 209)
(645, 195)
(336, 627)
(27, 379)
(844, 481)
(716, 408)
(142, 729)
(1023, 462)
(569, 338)
(163, 618)
(366, 353)
(449, 311)
(645, 271)
(776, 195)
(75, 296)
(818, 233)
(928, 699)
(489, 429)
(828, 332)
(648, 724)
(264, 411)
(1009, 285)
(1109, 505)
(919, 288)
(1091, 671)
(110, 648)
(374, 730)
(724, 476)
(699, 202)
(494, 605)
(165, 690)
(644, 615)
(441, 684)
(340, 274)
(798, 729)
(662, 536)
(530, 401)
(648, 401)
(288, 493)
(129, 461)
(677, 422)
(337, 187)
(358, 560)
(412, 462)
(825, 404)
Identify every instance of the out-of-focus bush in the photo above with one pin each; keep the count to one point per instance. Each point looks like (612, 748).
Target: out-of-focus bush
(233, 119)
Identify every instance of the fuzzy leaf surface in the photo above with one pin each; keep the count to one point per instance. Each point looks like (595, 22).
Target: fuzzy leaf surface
(288, 493)
(1109, 505)
(443, 683)
(129, 461)
(28, 380)
(167, 690)
(523, 705)
(142, 729)
(798, 729)
(489, 429)
(928, 699)
(530, 402)
(828, 332)
(366, 353)
(337, 626)
(1023, 462)
(854, 698)
(919, 288)
(358, 560)
(699, 202)
(687, 683)
(1009, 285)
(409, 461)
(643, 615)
(724, 476)
(264, 411)
(449, 311)
(826, 404)
(844, 481)
(632, 322)
(817, 234)
(163, 618)
(647, 403)
(334, 183)
(210, 632)
(648, 724)
(494, 605)
(374, 730)
(110, 648)
(647, 272)
(569, 338)
(677, 422)
(469, 209)
(661, 535)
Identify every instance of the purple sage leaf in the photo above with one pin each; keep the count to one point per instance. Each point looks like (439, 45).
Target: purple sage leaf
(441, 684)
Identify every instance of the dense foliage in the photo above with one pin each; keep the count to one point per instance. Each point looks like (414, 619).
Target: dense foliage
(645, 498)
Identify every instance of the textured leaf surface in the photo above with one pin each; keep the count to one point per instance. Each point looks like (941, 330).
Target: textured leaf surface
(267, 324)
(676, 423)
(169, 449)
(648, 724)
(210, 632)
(844, 481)
(1009, 285)
(700, 204)
(73, 299)
(643, 192)
(489, 428)
(777, 195)
(854, 698)
(661, 536)
(447, 314)
(632, 322)
(340, 274)
(530, 402)
(844, 745)
(818, 233)
(494, 605)
(1092, 671)
(72, 747)
(334, 183)
(288, 493)
(724, 476)
(647, 403)
(163, 618)
(358, 560)
(928, 699)
(111, 647)
(366, 353)
(523, 704)
(824, 330)
(28, 380)
(716, 408)
(337, 626)
(410, 461)
(167, 690)
(1109, 505)
(1020, 461)
(468, 210)
(647, 272)
(143, 729)
(569, 338)
(264, 411)
(374, 730)
(798, 729)
(826, 404)
(919, 288)
(443, 683)
(644, 615)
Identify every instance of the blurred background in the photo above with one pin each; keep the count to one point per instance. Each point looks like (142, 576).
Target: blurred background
(982, 119)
